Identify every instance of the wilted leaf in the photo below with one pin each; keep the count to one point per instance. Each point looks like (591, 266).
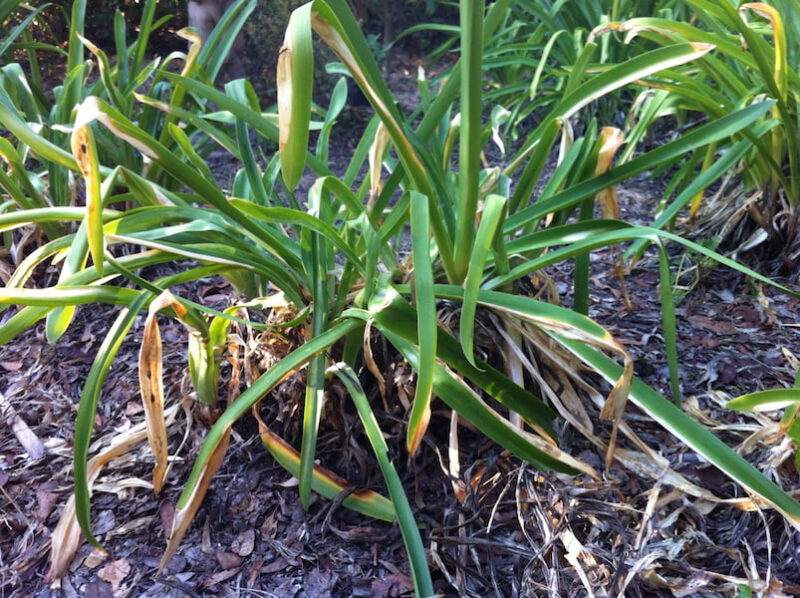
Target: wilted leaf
(66, 537)
(151, 386)
(376, 151)
(219, 577)
(85, 152)
(294, 95)
(323, 481)
(29, 441)
(184, 515)
(46, 501)
(95, 558)
(611, 139)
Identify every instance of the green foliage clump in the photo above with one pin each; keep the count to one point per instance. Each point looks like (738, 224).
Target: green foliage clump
(54, 22)
(335, 253)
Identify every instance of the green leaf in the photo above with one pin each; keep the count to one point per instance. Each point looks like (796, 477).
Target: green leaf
(423, 585)
(765, 400)
(692, 433)
(461, 398)
(493, 210)
(469, 148)
(699, 137)
(425, 302)
(264, 384)
(87, 408)
(295, 61)
(398, 317)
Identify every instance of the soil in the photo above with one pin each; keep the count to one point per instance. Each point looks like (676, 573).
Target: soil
(515, 532)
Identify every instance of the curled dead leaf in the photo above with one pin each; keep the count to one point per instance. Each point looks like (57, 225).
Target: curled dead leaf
(151, 387)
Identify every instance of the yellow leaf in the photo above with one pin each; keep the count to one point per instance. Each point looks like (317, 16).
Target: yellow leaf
(85, 152)
(376, 152)
(151, 386)
(611, 139)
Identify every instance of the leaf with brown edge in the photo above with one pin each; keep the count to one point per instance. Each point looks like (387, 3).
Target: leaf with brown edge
(66, 537)
(183, 516)
(151, 386)
(295, 63)
(84, 150)
(611, 139)
(323, 481)
(376, 152)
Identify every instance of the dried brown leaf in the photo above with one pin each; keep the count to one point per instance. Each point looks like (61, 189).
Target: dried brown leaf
(25, 436)
(228, 560)
(244, 543)
(66, 537)
(151, 387)
(184, 515)
(115, 572)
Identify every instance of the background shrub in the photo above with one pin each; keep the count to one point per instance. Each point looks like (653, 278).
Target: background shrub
(55, 22)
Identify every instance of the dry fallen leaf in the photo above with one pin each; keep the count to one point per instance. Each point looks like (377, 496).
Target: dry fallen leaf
(115, 572)
(166, 513)
(244, 543)
(29, 441)
(183, 516)
(219, 577)
(228, 560)
(66, 537)
(46, 502)
(95, 558)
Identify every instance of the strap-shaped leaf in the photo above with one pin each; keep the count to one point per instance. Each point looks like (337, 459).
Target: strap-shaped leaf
(693, 434)
(618, 76)
(425, 302)
(766, 400)
(87, 408)
(471, 14)
(396, 316)
(423, 585)
(699, 137)
(325, 482)
(40, 306)
(295, 70)
(196, 484)
(59, 319)
(85, 151)
(449, 386)
(493, 209)
(151, 387)
(565, 322)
